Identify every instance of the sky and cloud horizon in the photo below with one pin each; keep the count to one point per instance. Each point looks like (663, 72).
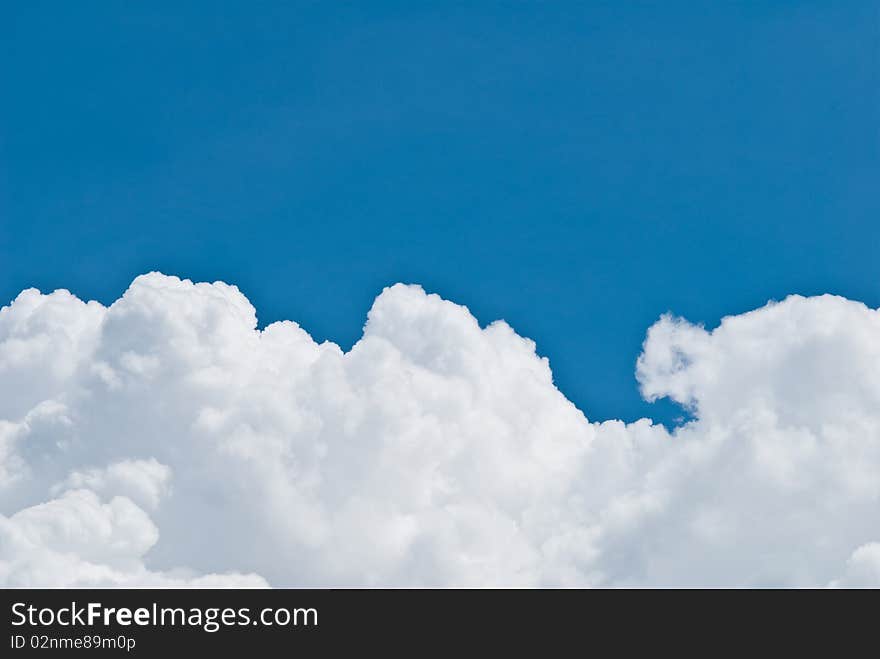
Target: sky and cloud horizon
(578, 169)
(591, 173)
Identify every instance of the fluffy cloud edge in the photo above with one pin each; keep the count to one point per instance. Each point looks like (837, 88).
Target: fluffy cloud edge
(167, 430)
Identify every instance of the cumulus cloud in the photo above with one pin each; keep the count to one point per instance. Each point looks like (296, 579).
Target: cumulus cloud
(166, 440)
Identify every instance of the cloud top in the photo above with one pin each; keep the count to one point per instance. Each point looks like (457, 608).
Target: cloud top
(166, 440)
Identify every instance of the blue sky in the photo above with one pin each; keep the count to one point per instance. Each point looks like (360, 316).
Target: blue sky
(577, 170)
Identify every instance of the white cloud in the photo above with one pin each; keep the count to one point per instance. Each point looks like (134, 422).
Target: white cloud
(146, 482)
(76, 540)
(165, 437)
(862, 568)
